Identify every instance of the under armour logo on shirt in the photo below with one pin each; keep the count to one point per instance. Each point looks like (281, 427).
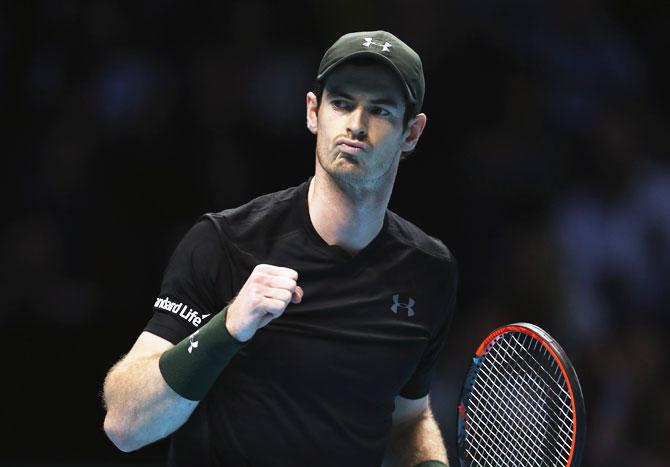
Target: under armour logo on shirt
(193, 343)
(405, 306)
(386, 47)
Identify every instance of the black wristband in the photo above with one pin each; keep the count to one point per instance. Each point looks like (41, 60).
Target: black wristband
(191, 367)
(431, 464)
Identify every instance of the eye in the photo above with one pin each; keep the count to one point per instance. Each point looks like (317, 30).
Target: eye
(381, 111)
(340, 104)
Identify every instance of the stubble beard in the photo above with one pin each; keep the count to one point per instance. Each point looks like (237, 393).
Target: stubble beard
(350, 175)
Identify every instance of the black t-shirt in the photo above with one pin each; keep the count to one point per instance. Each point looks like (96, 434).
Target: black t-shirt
(316, 386)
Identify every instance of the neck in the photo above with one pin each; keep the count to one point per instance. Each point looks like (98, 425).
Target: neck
(348, 218)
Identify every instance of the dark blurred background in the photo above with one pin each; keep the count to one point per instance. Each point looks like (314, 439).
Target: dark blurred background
(544, 167)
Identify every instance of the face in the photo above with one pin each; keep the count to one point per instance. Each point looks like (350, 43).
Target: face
(359, 125)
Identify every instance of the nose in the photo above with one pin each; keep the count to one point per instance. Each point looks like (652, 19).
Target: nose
(358, 123)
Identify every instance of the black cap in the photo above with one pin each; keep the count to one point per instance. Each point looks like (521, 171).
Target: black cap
(387, 49)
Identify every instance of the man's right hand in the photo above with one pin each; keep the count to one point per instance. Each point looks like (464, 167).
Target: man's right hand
(263, 297)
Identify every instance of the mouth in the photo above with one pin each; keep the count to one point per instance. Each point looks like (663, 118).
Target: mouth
(350, 147)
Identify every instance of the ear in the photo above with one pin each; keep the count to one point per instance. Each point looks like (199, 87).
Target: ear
(312, 112)
(413, 132)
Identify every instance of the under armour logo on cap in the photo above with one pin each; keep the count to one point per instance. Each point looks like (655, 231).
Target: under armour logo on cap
(386, 46)
(406, 306)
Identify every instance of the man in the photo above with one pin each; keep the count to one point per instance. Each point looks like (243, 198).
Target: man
(303, 327)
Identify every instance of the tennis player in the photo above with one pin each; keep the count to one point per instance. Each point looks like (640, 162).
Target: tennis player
(303, 328)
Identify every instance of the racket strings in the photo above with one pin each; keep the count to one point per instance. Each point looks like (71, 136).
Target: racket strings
(505, 442)
(502, 440)
(562, 397)
(496, 448)
(539, 414)
(556, 377)
(519, 413)
(516, 423)
(519, 419)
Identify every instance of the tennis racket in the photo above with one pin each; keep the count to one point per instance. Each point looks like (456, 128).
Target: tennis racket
(521, 403)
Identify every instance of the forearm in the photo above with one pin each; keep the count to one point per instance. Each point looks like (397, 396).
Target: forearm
(415, 442)
(141, 407)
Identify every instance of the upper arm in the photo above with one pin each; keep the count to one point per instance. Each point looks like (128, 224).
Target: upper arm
(197, 283)
(148, 344)
(409, 410)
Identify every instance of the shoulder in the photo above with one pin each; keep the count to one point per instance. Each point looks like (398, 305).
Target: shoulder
(434, 268)
(428, 255)
(411, 236)
(269, 214)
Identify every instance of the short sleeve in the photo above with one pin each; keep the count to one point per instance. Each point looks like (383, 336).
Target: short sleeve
(195, 284)
(419, 383)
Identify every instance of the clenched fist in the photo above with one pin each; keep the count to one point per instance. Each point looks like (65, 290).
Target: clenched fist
(263, 297)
